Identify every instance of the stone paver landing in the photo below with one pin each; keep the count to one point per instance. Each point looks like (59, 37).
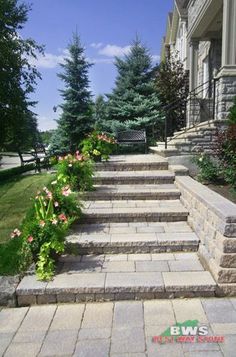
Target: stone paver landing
(115, 329)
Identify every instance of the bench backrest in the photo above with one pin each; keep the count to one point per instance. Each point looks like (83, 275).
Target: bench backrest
(131, 136)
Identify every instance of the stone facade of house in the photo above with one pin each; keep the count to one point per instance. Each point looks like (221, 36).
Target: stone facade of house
(203, 34)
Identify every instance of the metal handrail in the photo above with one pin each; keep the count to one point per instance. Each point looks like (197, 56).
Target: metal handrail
(187, 102)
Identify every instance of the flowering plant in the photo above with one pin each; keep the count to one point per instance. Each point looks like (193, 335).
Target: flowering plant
(45, 226)
(98, 145)
(77, 171)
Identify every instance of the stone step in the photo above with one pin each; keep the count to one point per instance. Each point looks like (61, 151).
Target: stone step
(172, 151)
(131, 166)
(162, 143)
(119, 277)
(134, 211)
(140, 237)
(179, 170)
(133, 177)
(134, 192)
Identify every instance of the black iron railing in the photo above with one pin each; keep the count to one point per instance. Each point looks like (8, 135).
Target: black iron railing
(199, 106)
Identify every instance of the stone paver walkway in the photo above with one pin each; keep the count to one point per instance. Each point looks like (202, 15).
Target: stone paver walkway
(116, 329)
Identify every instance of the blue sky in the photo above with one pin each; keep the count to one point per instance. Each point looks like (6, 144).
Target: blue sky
(106, 28)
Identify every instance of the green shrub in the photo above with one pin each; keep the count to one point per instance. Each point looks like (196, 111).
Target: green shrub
(98, 145)
(9, 173)
(226, 149)
(226, 152)
(208, 170)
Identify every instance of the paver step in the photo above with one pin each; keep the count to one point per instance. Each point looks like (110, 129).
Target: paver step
(131, 166)
(134, 177)
(161, 151)
(140, 237)
(119, 277)
(128, 192)
(134, 211)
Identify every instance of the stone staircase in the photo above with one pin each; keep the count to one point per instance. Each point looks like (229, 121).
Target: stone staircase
(133, 242)
(198, 138)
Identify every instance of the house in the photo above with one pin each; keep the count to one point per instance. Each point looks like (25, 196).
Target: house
(203, 34)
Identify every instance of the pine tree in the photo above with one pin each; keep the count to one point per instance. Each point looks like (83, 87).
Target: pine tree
(17, 77)
(134, 102)
(76, 119)
(100, 112)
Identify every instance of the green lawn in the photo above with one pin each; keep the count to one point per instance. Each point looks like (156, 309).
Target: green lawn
(15, 200)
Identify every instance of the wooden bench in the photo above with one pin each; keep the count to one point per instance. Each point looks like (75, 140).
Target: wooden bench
(132, 137)
(37, 155)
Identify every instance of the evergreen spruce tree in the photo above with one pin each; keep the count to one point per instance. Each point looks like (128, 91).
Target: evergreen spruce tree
(133, 103)
(17, 78)
(100, 112)
(76, 118)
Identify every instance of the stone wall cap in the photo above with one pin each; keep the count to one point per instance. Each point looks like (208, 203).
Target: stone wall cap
(221, 206)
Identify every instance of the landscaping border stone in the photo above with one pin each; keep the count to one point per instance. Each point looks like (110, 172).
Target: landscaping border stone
(213, 218)
(8, 286)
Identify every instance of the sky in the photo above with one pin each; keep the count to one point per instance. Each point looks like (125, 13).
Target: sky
(106, 29)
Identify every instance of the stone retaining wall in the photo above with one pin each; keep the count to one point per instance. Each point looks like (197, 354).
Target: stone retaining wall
(213, 218)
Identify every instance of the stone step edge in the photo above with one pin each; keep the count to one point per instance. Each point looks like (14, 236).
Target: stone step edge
(110, 166)
(67, 298)
(132, 181)
(125, 218)
(30, 291)
(83, 249)
(107, 196)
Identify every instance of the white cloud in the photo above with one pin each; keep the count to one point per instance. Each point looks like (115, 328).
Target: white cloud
(49, 60)
(156, 58)
(46, 123)
(114, 50)
(100, 60)
(96, 45)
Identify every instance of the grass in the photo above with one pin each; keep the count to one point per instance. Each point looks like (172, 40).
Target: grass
(15, 200)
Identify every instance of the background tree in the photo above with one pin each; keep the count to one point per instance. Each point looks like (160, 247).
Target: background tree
(76, 118)
(45, 136)
(133, 102)
(17, 77)
(172, 86)
(100, 112)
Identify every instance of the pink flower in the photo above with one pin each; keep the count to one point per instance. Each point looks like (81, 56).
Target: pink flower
(15, 233)
(42, 224)
(66, 191)
(62, 217)
(49, 194)
(78, 156)
(30, 239)
(56, 204)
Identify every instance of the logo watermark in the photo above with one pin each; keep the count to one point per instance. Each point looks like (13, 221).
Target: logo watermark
(187, 332)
